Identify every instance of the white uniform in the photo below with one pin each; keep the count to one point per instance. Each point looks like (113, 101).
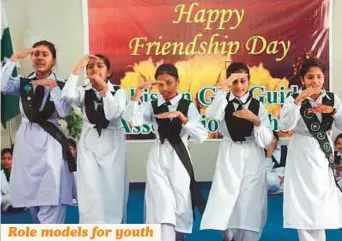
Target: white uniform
(238, 196)
(272, 174)
(39, 176)
(102, 183)
(167, 194)
(6, 199)
(312, 200)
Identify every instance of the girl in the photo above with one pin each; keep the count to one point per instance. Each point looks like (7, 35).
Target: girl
(338, 161)
(102, 184)
(40, 178)
(170, 191)
(237, 199)
(275, 162)
(6, 166)
(312, 200)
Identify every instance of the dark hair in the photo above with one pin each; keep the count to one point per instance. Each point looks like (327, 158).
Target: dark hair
(169, 69)
(237, 67)
(106, 62)
(338, 137)
(72, 143)
(6, 150)
(48, 44)
(309, 63)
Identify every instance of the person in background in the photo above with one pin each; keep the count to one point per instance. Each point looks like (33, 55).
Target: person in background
(73, 147)
(338, 161)
(275, 163)
(6, 161)
(6, 196)
(6, 165)
(73, 150)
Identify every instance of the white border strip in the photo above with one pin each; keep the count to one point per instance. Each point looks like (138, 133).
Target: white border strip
(331, 77)
(85, 27)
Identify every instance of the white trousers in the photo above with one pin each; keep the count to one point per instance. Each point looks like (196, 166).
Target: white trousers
(241, 235)
(311, 235)
(48, 214)
(168, 232)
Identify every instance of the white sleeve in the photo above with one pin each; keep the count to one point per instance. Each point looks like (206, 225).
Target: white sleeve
(62, 105)
(194, 127)
(289, 115)
(114, 106)
(9, 85)
(72, 92)
(263, 133)
(216, 110)
(138, 115)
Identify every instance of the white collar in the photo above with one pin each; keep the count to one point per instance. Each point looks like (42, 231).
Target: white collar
(109, 84)
(173, 101)
(320, 97)
(51, 76)
(243, 98)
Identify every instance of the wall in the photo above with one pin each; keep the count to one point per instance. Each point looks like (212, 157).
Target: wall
(61, 22)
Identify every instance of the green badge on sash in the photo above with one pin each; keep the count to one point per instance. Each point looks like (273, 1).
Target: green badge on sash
(318, 129)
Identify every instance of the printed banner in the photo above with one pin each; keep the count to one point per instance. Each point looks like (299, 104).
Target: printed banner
(78, 232)
(202, 38)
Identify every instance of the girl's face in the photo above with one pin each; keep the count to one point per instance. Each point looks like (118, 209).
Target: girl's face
(96, 66)
(240, 86)
(339, 144)
(168, 86)
(313, 78)
(42, 59)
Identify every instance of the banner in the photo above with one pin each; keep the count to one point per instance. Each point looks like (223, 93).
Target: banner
(202, 38)
(78, 232)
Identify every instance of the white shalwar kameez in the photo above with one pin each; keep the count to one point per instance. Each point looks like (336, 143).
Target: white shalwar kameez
(102, 184)
(238, 197)
(167, 194)
(40, 178)
(312, 200)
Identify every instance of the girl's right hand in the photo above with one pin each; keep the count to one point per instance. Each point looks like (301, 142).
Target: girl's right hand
(143, 83)
(228, 82)
(83, 63)
(22, 54)
(307, 93)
